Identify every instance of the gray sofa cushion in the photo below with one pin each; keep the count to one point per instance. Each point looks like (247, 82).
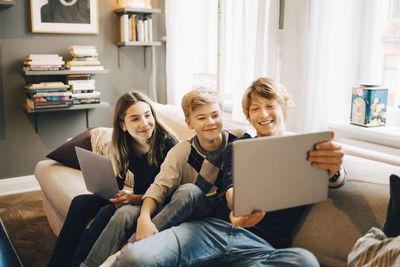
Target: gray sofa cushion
(331, 228)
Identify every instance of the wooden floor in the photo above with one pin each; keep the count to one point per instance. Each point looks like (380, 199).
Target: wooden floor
(28, 228)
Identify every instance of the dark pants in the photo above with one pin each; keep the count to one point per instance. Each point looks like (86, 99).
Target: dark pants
(74, 242)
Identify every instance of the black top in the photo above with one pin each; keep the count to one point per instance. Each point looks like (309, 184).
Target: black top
(277, 226)
(143, 172)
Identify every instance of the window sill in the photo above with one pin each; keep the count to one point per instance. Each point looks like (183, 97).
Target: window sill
(388, 135)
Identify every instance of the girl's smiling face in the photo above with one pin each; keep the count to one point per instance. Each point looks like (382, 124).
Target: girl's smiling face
(139, 121)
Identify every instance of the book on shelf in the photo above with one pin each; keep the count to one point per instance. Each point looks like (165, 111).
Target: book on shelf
(86, 101)
(32, 104)
(74, 77)
(82, 84)
(44, 62)
(86, 68)
(44, 85)
(83, 63)
(42, 90)
(150, 32)
(80, 50)
(94, 94)
(43, 57)
(82, 91)
(133, 27)
(124, 22)
(85, 58)
(60, 95)
(146, 30)
(41, 68)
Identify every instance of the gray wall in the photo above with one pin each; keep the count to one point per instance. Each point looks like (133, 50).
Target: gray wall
(20, 147)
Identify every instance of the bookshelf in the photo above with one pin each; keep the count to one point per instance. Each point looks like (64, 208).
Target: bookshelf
(36, 76)
(4, 3)
(143, 13)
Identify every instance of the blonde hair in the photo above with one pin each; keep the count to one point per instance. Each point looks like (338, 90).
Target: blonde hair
(270, 89)
(122, 142)
(198, 97)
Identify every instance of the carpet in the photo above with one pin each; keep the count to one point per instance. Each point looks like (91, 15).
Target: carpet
(27, 226)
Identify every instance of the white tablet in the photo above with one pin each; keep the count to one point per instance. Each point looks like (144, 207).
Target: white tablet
(272, 173)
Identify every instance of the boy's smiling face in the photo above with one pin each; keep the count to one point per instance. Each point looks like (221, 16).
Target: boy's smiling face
(266, 116)
(206, 121)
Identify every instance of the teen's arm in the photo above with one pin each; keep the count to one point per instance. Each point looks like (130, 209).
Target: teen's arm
(168, 179)
(170, 175)
(145, 227)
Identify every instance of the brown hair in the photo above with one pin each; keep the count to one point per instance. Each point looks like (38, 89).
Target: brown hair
(197, 97)
(270, 89)
(123, 142)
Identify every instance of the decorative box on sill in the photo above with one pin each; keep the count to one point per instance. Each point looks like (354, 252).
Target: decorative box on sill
(369, 105)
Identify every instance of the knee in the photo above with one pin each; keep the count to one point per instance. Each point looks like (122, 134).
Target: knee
(134, 256)
(79, 203)
(188, 190)
(79, 199)
(303, 257)
(122, 213)
(126, 213)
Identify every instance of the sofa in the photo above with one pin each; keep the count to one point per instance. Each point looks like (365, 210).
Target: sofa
(328, 229)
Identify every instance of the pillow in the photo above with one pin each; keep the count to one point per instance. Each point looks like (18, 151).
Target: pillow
(66, 154)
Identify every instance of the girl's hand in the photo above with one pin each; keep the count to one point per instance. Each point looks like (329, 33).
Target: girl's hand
(123, 198)
(248, 220)
(145, 228)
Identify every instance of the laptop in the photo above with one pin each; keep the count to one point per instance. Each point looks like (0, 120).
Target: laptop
(272, 173)
(98, 173)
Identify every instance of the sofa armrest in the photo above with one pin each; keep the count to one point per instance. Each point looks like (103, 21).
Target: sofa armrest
(59, 184)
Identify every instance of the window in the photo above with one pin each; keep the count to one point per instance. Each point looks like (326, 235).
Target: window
(390, 47)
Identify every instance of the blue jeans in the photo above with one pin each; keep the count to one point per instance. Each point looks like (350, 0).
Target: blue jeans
(210, 242)
(73, 239)
(188, 201)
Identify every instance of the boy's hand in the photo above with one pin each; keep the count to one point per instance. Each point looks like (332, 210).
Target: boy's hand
(327, 155)
(248, 220)
(123, 198)
(145, 228)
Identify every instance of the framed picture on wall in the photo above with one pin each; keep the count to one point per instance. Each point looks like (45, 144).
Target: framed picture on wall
(65, 16)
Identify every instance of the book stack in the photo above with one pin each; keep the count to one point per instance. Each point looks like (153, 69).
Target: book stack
(43, 62)
(83, 89)
(84, 58)
(48, 95)
(136, 28)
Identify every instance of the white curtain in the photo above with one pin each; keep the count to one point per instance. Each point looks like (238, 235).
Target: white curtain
(246, 53)
(191, 27)
(334, 51)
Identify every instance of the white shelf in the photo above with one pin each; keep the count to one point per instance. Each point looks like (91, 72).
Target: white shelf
(157, 43)
(137, 10)
(102, 104)
(63, 72)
